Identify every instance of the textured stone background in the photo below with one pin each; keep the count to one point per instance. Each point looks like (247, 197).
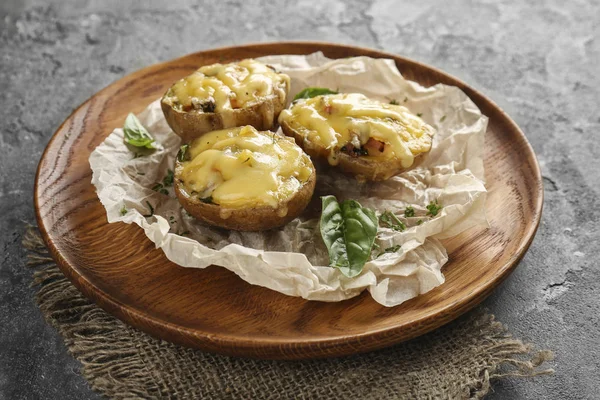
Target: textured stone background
(539, 62)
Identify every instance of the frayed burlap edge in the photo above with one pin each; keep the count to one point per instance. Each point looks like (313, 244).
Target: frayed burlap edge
(114, 363)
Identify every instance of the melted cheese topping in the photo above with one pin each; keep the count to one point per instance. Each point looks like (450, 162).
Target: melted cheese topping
(334, 121)
(243, 167)
(228, 86)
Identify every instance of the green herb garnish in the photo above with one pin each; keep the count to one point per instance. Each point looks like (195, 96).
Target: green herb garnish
(168, 179)
(409, 212)
(419, 115)
(392, 249)
(166, 182)
(443, 118)
(405, 99)
(150, 208)
(419, 222)
(207, 200)
(394, 102)
(349, 231)
(389, 220)
(123, 210)
(160, 189)
(182, 154)
(311, 92)
(135, 134)
(433, 208)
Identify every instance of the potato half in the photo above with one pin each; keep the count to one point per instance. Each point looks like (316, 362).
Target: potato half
(366, 138)
(244, 179)
(222, 96)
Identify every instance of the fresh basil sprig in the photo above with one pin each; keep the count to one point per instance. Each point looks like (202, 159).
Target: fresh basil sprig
(311, 92)
(135, 133)
(349, 231)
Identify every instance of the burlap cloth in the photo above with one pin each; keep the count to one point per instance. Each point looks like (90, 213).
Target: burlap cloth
(457, 361)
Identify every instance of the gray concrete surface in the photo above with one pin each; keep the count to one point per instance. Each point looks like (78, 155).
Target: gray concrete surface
(538, 60)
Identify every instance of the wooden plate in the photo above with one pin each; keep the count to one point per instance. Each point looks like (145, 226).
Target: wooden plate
(116, 266)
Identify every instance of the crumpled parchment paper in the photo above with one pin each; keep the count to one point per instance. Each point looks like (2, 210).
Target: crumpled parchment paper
(293, 259)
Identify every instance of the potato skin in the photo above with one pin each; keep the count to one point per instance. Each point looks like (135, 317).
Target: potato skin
(245, 219)
(190, 125)
(363, 169)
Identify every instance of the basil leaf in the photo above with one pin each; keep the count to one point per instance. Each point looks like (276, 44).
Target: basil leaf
(311, 92)
(349, 231)
(135, 133)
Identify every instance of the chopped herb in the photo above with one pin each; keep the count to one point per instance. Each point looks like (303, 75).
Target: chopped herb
(394, 102)
(207, 200)
(375, 246)
(141, 173)
(433, 208)
(124, 210)
(185, 233)
(405, 99)
(182, 154)
(208, 106)
(271, 68)
(136, 134)
(409, 212)
(168, 180)
(443, 118)
(354, 151)
(311, 92)
(419, 115)
(419, 222)
(150, 208)
(390, 220)
(160, 189)
(392, 249)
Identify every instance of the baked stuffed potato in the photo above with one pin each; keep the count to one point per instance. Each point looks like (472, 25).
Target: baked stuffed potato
(222, 96)
(244, 179)
(363, 137)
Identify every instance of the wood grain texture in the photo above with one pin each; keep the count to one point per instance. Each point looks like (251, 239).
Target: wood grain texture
(212, 309)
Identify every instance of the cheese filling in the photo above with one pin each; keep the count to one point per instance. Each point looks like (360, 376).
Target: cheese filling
(242, 167)
(218, 87)
(337, 121)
